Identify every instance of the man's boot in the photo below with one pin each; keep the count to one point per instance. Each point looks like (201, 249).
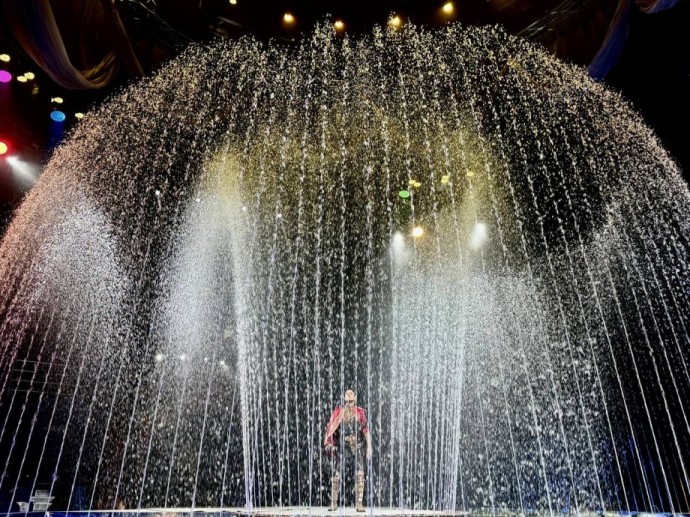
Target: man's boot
(359, 488)
(335, 487)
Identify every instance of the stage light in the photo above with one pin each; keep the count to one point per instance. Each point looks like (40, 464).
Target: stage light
(398, 244)
(445, 179)
(5, 58)
(26, 173)
(79, 115)
(4, 148)
(478, 236)
(470, 174)
(22, 79)
(448, 8)
(395, 22)
(404, 194)
(183, 357)
(34, 90)
(289, 18)
(30, 76)
(159, 358)
(339, 25)
(417, 231)
(233, 2)
(57, 116)
(57, 100)
(5, 76)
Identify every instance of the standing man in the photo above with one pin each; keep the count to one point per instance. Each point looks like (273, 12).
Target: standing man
(346, 436)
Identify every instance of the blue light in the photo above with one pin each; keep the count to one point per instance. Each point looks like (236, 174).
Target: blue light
(58, 116)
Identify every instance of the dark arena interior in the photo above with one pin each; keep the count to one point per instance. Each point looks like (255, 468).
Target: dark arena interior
(296, 258)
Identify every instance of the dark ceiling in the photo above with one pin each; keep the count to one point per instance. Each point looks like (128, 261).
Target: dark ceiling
(653, 70)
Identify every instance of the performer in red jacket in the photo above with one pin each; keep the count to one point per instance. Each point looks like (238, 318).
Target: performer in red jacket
(346, 436)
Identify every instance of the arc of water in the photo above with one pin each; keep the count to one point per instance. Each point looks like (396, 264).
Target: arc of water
(38, 406)
(474, 115)
(52, 414)
(645, 332)
(33, 376)
(203, 431)
(86, 428)
(71, 407)
(447, 168)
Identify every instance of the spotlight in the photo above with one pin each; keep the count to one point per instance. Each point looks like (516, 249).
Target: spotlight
(445, 179)
(79, 115)
(5, 58)
(404, 194)
(339, 25)
(233, 2)
(470, 174)
(22, 79)
(448, 8)
(57, 116)
(288, 18)
(183, 357)
(158, 358)
(4, 148)
(417, 231)
(26, 173)
(398, 243)
(478, 236)
(395, 22)
(5, 76)
(57, 100)
(30, 76)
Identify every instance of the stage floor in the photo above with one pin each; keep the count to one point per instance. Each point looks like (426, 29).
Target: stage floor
(302, 511)
(285, 511)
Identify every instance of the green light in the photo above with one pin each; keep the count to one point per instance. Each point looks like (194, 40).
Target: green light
(404, 194)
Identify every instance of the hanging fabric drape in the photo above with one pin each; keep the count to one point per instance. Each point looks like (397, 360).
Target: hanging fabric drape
(96, 25)
(612, 48)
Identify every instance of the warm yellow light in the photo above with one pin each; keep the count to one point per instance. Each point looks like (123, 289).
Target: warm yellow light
(79, 115)
(395, 21)
(445, 179)
(417, 184)
(233, 2)
(448, 8)
(288, 18)
(470, 174)
(22, 79)
(5, 58)
(417, 231)
(57, 100)
(339, 25)
(29, 75)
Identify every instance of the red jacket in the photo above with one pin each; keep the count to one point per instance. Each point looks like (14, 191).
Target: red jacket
(337, 418)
